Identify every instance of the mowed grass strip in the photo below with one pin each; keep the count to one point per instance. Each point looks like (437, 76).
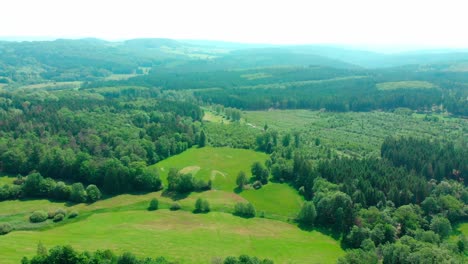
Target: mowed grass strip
(180, 236)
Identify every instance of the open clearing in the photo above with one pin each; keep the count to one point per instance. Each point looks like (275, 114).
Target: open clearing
(406, 85)
(221, 161)
(221, 166)
(181, 236)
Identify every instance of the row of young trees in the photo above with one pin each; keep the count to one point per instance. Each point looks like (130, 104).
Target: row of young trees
(69, 255)
(36, 186)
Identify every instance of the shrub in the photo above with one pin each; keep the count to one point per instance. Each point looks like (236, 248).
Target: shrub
(59, 217)
(257, 185)
(61, 211)
(202, 206)
(38, 216)
(5, 228)
(51, 214)
(73, 214)
(175, 206)
(244, 210)
(153, 205)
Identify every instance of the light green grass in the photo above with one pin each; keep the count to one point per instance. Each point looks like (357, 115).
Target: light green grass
(463, 228)
(210, 116)
(256, 76)
(54, 85)
(275, 200)
(6, 180)
(180, 236)
(221, 165)
(406, 85)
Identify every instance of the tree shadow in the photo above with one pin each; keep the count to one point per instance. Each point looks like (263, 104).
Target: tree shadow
(200, 212)
(175, 195)
(238, 190)
(326, 231)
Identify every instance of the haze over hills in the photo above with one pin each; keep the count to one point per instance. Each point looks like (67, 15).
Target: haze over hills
(349, 54)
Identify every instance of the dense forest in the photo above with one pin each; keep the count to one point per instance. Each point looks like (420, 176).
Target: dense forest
(98, 140)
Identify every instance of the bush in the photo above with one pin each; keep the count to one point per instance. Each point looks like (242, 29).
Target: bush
(38, 216)
(246, 210)
(153, 205)
(59, 217)
(73, 214)
(202, 206)
(5, 228)
(61, 211)
(51, 214)
(175, 207)
(257, 185)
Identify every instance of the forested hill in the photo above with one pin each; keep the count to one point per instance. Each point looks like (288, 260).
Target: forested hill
(91, 59)
(286, 77)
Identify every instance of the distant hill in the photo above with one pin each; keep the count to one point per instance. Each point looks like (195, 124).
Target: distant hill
(90, 59)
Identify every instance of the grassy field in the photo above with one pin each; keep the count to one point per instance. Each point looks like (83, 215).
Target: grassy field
(221, 165)
(276, 200)
(123, 222)
(180, 236)
(406, 85)
(6, 180)
(356, 134)
(54, 85)
(210, 116)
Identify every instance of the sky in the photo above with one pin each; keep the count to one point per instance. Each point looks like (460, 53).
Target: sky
(351, 22)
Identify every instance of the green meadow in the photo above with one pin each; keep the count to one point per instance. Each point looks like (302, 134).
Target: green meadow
(123, 222)
(180, 236)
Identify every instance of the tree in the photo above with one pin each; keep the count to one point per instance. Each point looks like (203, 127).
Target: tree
(32, 185)
(441, 226)
(202, 139)
(357, 256)
(41, 249)
(260, 172)
(148, 181)
(241, 180)
(153, 205)
(307, 214)
(78, 193)
(62, 191)
(93, 193)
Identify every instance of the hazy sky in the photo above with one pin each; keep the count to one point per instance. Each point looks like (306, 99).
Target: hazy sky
(369, 22)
